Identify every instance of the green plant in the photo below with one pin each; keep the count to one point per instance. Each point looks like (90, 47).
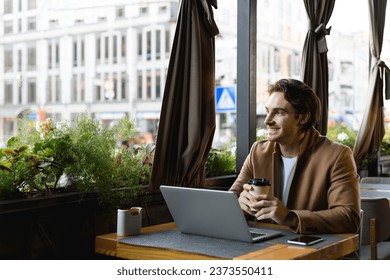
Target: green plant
(83, 156)
(342, 134)
(385, 145)
(220, 161)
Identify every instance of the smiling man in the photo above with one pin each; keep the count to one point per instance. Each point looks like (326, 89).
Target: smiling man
(314, 181)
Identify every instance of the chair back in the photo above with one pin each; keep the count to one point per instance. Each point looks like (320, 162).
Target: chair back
(379, 209)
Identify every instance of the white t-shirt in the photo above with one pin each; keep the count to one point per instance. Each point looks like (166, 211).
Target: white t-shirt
(288, 172)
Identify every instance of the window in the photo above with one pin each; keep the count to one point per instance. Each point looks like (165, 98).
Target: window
(276, 60)
(31, 24)
(8, 60)
(120, 12)
(162, 9)
(158, 44)
(143, 11)
(139, 35)
(167, 43)
(20, 60)
(123, 86)
(106, 48)
(114, 49)
(31, 59)
(31, 91)
(57, 89)
(31, 4)
(8, 6)
(8, 26)
(139, 85)
(98, 49)
(148, 45)
(78, 52)
(123, 48)
(148, 84)
(20, 25)
(78, 89)
(158, 83)
(8, 92)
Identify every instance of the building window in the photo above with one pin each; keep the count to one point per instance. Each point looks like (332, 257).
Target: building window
(148, 45)
(167, 43)
(78, 89)
(162, 9)
(31, 4)
(143, 11)
(57, 89)
(31, 59)
(158, 44)
(297, 64)
(158, 84)
(120, 12)
(98, 50)
(31, 23)
(276, 60)
(78, 52)
(19, 60)
(123, 86)
(20, 25)
(123, 48)
(8, 26)
(114, 49)
(106, 49)
(31, 91)
(139, 85)
(8, 7)
(148, 84)
(139, 43)
(8, 60)
(8, 92)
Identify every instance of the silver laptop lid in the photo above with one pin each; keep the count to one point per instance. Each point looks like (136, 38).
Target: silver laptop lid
(207, 212)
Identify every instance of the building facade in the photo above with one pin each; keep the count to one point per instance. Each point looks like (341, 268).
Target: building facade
(63, 58)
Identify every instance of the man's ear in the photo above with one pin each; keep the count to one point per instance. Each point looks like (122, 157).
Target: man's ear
(304, 118)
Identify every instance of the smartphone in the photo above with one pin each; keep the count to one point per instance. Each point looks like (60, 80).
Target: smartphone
(305, 240)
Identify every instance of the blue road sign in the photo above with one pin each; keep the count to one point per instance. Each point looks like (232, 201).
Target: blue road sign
(225, 99)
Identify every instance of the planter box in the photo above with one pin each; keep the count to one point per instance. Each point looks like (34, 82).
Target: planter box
(56, 226)
(220, 182)
(64, 226)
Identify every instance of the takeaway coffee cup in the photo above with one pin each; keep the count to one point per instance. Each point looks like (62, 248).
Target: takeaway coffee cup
(259, 186)
(129, 221)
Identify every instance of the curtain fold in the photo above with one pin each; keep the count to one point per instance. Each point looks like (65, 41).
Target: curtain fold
(314, 69)
(187, 120)
(372, 129)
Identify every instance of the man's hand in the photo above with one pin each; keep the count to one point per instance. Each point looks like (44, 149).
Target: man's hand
(270, 207)
(246, 199)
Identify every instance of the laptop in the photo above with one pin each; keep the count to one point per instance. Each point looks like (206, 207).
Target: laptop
(211, 213)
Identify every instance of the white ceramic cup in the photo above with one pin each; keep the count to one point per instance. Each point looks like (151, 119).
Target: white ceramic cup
(129, 221)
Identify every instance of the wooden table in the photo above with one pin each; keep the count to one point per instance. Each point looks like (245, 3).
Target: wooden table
(108, 245)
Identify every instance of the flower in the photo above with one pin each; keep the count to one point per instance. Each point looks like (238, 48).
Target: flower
(342, 136)
(262, 132)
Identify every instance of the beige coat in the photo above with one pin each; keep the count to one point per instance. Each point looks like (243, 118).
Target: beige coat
(324, 191)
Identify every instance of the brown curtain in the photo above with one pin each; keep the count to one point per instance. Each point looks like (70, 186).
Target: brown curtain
(187, 120)
(314, 55)
(372, 129)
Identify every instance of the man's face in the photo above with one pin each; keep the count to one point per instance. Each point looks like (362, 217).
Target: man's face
(281, 121)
